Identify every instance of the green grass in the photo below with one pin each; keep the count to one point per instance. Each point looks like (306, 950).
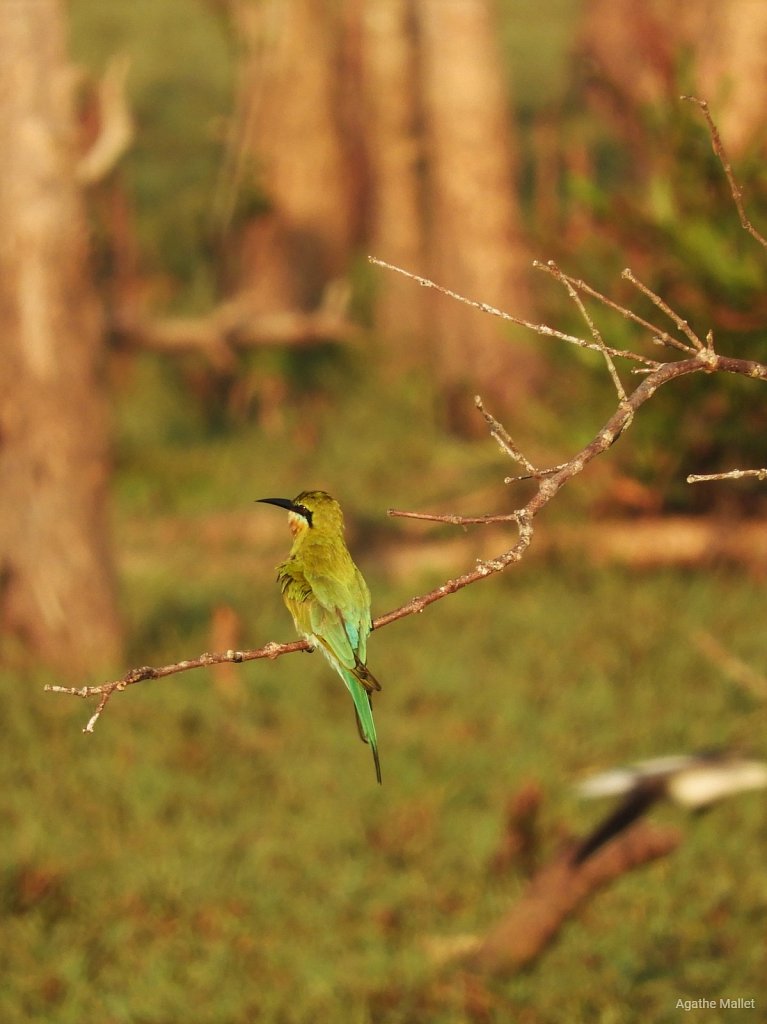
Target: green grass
(215, 861)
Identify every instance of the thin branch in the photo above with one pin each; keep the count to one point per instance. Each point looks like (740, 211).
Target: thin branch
(659, 336)
(550, 484)
(554, 270)
(735, 189)
(542, 329)
(484, 307)
(539, 474)
(482, 570)
(732, 474)
(139, 675)
(681, 325)
(456, 520)
(502, 436)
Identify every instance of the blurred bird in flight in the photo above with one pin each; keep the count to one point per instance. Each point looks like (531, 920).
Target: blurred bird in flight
(693, 781)
(328, 598)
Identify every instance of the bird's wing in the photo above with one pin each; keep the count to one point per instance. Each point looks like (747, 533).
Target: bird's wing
(627, 811)
(710, 780)
(341, 615)
(328, 625)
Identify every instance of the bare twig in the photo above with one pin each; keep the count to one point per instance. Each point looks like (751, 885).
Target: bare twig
(456, 520)
(502, 436)
(483, 569)
(508, 447)
(659, 336)
(735, 189)
(732, 474)
(539, 474)
(681, 325)
(483, 307)
(553, 269)
(138, 675)
(542, 329)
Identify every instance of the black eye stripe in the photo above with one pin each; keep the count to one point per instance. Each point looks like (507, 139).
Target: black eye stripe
(305, 512)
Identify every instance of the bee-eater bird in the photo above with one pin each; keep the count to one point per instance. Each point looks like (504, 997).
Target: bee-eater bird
(328, 598)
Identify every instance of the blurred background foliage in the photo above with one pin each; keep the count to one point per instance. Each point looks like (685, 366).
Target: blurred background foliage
(216, 851)
(612, 175)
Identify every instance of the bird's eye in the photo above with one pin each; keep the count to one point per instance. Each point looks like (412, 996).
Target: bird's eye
(305, 512)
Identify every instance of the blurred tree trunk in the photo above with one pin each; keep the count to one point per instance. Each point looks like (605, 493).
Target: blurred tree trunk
(395, 154)
(637, 47)
(475, 234)
(293, 135)
(731, 40)
(57, 594)
(386, 124)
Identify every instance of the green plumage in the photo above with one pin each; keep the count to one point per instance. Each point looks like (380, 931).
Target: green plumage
(328, 598)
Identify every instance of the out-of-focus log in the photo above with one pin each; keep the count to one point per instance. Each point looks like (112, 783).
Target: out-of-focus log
(555, 893)
(229, 327)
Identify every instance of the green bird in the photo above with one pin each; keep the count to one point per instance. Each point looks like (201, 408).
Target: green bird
(328, 598)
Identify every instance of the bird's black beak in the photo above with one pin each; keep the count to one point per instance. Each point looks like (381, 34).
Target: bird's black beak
(285, 503)
(291, 506)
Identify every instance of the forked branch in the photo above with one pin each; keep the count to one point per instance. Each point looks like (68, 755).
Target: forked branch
(699, 357)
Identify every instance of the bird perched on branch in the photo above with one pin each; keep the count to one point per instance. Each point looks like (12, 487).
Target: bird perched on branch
(693, 781)
(328, 598)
